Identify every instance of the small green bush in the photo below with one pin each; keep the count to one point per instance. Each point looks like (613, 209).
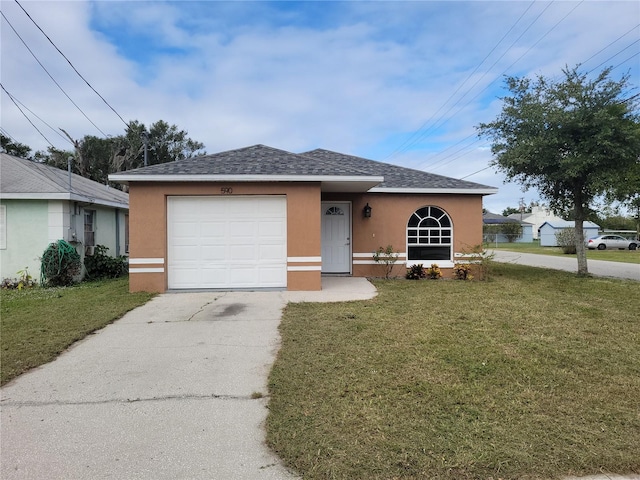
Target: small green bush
(387, 258)
(416, 272)
(462, 271)
(100, 265)
(566, 239)
(25, 280)
(60, 264)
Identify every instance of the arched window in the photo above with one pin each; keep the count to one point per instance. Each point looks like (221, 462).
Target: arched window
(429, 235)
(334, 211)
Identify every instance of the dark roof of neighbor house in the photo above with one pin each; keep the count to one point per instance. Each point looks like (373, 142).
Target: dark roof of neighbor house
(28, 180)
(336, 171)
(489, 218)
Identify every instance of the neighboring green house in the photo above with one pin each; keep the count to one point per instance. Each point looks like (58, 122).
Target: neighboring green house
(40, 204)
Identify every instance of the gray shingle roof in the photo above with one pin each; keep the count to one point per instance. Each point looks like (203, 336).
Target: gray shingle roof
(20, 178)
(255, 160)
(394, 175)
(261, 160)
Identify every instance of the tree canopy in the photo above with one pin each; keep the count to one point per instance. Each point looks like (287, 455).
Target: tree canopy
(95, 157)
(573, 139)
(14, 148)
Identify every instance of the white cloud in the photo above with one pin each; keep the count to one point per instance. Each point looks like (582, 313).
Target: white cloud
(357, 77)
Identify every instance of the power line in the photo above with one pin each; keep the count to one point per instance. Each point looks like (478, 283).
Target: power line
(7, 134)
(461, 85)
(619, 38)
(434, 126)
(472, 174)
(516, 61)
(615, 55)
(50, 76)
(72, 66)
(25, 115)
(39, 118)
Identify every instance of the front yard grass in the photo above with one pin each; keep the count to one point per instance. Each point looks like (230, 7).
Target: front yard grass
(532, 375)
(624, 256)
(37, 324)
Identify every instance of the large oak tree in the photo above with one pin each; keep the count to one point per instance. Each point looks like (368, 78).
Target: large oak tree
(573, 139)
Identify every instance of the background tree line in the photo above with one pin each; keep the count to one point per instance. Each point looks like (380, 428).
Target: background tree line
(95, 157)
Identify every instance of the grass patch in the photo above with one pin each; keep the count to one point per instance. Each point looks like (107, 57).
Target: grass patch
(37, 324)
(535, 374)
(623, 256)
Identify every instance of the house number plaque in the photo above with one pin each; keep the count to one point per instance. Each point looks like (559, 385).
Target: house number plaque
(226, 190)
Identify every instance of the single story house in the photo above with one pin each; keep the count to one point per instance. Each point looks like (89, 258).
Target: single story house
(548, 231)
(260, 217)
(40, 204)
(493, 235)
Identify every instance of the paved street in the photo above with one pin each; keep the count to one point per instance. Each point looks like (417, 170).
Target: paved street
(598, 268)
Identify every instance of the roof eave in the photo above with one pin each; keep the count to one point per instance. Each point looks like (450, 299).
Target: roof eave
(448, 191)
(73, 197)
(124, 178)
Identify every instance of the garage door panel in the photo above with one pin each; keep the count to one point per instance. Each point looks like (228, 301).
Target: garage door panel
(213, 253)
(184, 254)
(242, 253)
(227, 242)
(271, 253)
(212, 229)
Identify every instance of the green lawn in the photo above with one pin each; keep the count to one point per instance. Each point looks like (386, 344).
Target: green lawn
(533, 374)
(37, 324)
(625, 256)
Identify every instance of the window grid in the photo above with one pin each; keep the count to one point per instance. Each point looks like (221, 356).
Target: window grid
(429, 234)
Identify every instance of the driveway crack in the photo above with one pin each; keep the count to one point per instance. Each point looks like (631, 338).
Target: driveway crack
(162, 398)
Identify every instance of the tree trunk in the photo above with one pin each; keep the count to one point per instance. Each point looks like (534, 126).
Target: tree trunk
(581, 251)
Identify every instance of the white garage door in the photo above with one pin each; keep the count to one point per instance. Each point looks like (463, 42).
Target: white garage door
(227, 242)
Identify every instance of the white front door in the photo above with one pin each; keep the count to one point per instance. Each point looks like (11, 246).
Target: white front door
(336, 237)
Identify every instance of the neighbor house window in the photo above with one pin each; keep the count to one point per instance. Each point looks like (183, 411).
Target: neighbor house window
(429, 235)
(3, 227)
(126, 233)
(89, 231)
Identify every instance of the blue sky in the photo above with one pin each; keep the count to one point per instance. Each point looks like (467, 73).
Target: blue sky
(401, 82)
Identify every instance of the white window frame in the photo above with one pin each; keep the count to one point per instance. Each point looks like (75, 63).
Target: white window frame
(434, 229)
(3, 227)
(89, 247)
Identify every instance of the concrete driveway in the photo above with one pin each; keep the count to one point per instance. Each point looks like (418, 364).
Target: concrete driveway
(599, 268)
(167, 392)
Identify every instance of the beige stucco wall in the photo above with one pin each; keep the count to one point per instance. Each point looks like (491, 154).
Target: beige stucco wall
(148, 229)
(388, 225)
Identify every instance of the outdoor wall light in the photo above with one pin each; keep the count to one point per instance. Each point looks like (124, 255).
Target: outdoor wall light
(366, 211)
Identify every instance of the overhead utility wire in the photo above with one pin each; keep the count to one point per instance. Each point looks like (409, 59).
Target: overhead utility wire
(25, 115)
(50, 76)
(420, 135)
(516, 61)
(462, 84)
(611, 57)
(7, 134)
(623, 62)
(619, 38)
(445, 120)
(72, 66)
(38, 117)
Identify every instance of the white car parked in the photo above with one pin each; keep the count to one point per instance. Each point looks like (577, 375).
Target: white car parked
(603, 242)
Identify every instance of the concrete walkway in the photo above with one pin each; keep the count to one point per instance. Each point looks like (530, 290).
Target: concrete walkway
(599, 268)
(166, 392)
